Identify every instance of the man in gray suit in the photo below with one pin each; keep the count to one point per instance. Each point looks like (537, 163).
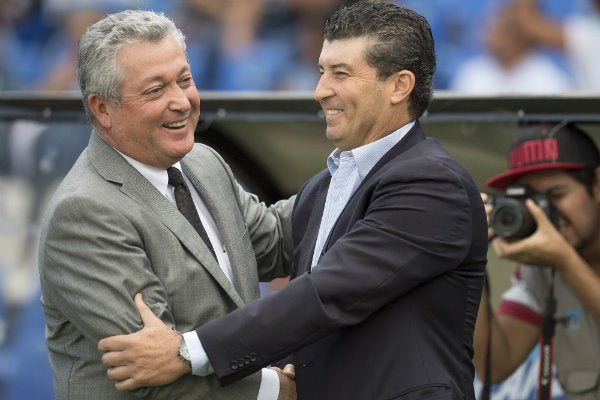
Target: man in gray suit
(113, 228)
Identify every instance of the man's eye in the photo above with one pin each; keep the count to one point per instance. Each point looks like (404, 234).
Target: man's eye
(154, 90)
(554, 195)
(186, 82)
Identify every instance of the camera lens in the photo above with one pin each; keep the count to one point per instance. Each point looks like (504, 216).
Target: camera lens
(511, 219)
(507, 217)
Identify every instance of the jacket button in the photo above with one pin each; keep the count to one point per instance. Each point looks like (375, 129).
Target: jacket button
(233, 365)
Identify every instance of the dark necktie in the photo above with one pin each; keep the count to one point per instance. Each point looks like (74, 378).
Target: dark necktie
(186, 205)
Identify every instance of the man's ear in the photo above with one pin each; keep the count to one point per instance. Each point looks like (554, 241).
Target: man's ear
(403, 84)
(101, 110)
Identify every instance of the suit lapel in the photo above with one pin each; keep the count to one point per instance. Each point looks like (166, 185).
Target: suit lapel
(412, 137)
(321, 184)
(214, 195)
(113, 167)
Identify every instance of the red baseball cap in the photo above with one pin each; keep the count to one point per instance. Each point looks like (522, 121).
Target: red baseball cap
(543, 147)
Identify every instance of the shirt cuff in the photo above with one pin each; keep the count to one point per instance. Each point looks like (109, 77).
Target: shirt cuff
(269, 385)
(200, 363)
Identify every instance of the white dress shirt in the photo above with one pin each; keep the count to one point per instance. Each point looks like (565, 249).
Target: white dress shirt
(269, 387)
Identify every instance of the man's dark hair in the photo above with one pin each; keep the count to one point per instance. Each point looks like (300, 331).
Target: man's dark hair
(402, 40)
(587, 177)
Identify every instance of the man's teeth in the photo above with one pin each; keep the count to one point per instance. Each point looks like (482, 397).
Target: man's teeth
(333, 112)
(176, 124)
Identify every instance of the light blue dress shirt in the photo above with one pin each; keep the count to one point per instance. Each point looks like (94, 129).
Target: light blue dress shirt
(348, 169)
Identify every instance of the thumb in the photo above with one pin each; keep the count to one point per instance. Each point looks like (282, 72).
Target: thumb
(148, 317)
(536, 211)
(289, 371)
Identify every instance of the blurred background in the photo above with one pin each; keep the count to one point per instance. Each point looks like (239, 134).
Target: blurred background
(274, 44)
(501, 64)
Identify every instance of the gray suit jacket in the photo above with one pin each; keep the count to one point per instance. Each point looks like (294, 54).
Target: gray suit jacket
(108, 234)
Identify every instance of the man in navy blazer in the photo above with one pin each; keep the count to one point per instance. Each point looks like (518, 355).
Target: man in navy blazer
(390, 243)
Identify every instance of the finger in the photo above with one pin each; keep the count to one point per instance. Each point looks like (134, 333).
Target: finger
(112, 343)
(289, 368)
(148, 317)
(127, 385)
(114, 359)
(119, 374)
(124, 378)
(289, 371)
(538, 214)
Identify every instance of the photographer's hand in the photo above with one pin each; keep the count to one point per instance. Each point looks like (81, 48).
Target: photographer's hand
(550, 248)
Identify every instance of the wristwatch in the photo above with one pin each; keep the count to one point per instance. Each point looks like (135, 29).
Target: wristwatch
(183, 353)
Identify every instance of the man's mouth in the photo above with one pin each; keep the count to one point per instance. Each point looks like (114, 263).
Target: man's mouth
(176, 125)
(333, 112)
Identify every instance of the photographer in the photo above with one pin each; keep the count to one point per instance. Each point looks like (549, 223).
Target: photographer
(557, 282)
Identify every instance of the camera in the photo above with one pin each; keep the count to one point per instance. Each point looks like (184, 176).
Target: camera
(510, 217)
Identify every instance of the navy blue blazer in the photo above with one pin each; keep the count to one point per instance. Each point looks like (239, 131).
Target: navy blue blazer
(389, 311)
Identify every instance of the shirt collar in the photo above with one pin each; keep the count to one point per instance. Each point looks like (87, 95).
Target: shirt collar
(158, 177)
(365, 157)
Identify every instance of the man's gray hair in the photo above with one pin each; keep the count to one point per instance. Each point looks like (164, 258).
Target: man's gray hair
(98, 70)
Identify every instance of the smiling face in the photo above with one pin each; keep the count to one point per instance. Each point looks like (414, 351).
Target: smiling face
(359, 108)
(160, 105)
(579, 212)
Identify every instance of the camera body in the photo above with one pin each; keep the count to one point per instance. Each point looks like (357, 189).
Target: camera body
(510, 217)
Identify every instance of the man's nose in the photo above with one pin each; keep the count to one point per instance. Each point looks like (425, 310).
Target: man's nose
(323, 89)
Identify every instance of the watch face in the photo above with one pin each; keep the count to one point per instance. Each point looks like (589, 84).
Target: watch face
(183, 351)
